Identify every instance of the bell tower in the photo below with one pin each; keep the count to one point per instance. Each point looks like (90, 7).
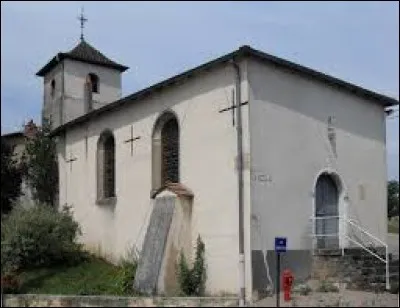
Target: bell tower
(79, 81)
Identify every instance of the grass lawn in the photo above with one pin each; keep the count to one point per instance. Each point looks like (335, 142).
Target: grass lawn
(92, 277)
(393, 225)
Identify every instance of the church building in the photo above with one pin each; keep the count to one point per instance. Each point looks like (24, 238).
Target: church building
(239, 150)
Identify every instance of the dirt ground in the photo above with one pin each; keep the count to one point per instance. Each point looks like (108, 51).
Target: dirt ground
(344, 298)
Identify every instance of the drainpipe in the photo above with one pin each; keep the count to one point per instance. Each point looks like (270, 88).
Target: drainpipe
(240, 184)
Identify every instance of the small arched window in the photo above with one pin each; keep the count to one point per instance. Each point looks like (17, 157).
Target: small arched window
(106, 166)
(94, 80)
(52, 88)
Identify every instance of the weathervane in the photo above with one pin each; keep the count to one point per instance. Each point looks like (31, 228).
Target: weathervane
(82, 19)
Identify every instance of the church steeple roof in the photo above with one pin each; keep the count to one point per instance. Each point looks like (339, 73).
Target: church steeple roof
(83, 52)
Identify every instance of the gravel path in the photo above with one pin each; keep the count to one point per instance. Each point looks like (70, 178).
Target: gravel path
(345, 298)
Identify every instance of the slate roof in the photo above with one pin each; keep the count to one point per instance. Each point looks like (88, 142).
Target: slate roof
(244, 51)
(83, 52)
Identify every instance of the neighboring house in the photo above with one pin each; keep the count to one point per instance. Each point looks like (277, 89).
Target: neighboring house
(313, 147)
(17, 141)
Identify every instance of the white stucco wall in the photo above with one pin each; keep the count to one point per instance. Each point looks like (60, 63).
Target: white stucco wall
(290, 147)
(207, 167)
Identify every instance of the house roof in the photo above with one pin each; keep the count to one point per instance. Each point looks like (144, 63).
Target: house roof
(13, 134)
(82, 52)
(244, 51)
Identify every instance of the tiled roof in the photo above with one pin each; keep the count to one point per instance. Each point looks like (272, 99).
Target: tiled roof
(176, 188)
(82, 52)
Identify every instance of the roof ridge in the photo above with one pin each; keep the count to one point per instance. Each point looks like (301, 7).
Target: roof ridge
(245, 50)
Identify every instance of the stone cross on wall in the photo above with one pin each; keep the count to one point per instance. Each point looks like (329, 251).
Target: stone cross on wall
(332, 134)
(131, 140)
(70, 161)
(232, 107)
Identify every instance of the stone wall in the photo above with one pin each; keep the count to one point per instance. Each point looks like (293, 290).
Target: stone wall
(33, 300)
(358, 269)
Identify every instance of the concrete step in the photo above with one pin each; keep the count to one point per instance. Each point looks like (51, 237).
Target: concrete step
(328, 252)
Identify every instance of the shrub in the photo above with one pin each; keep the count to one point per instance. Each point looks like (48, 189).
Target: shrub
(327, 286)
(394, 288)
(11, 178)
(38, 236)
(192, 280)
(10, 284)
(126, 276)
(302, 289)
(127, 271)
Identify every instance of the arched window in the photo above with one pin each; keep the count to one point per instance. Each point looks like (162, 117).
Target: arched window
(52, 88)
(106, 166)
(94, 80)
(165, 151)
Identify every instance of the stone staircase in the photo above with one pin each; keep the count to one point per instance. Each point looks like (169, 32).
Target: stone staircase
(357, 268)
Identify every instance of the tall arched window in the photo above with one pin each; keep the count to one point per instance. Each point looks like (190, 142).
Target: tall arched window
(94, 80)
(165, 151)
(106, 166)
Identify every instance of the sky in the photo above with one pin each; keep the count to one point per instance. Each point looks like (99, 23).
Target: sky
(354, 41)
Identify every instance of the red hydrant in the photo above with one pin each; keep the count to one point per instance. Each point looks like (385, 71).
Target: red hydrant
(287, 281)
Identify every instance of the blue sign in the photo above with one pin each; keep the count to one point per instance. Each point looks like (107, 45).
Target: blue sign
(280, 244)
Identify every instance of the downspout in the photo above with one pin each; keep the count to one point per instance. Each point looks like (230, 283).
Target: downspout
(240, 184)
(62, 94)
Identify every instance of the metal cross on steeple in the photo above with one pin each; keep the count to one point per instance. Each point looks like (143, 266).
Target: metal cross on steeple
(82, 19)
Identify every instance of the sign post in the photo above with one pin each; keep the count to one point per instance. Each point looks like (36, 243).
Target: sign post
(280, 246)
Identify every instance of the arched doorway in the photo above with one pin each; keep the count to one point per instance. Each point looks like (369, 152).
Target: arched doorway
(165, 151)
(327, 212)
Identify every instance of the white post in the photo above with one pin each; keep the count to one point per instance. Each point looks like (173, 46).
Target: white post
(342, 231)
(344, 224)
(387, 269)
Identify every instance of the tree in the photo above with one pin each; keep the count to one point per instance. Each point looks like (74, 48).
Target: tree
(393, 198)
(40, 165)
(10, 178)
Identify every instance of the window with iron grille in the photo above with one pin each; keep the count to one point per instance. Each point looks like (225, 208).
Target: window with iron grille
(106, 166)
(109, 167)
(170, 152)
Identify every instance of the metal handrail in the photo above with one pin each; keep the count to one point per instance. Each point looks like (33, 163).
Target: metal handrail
(342, 234)
(324, 217)
(366, 249)
(326, 235)
(351, 221)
